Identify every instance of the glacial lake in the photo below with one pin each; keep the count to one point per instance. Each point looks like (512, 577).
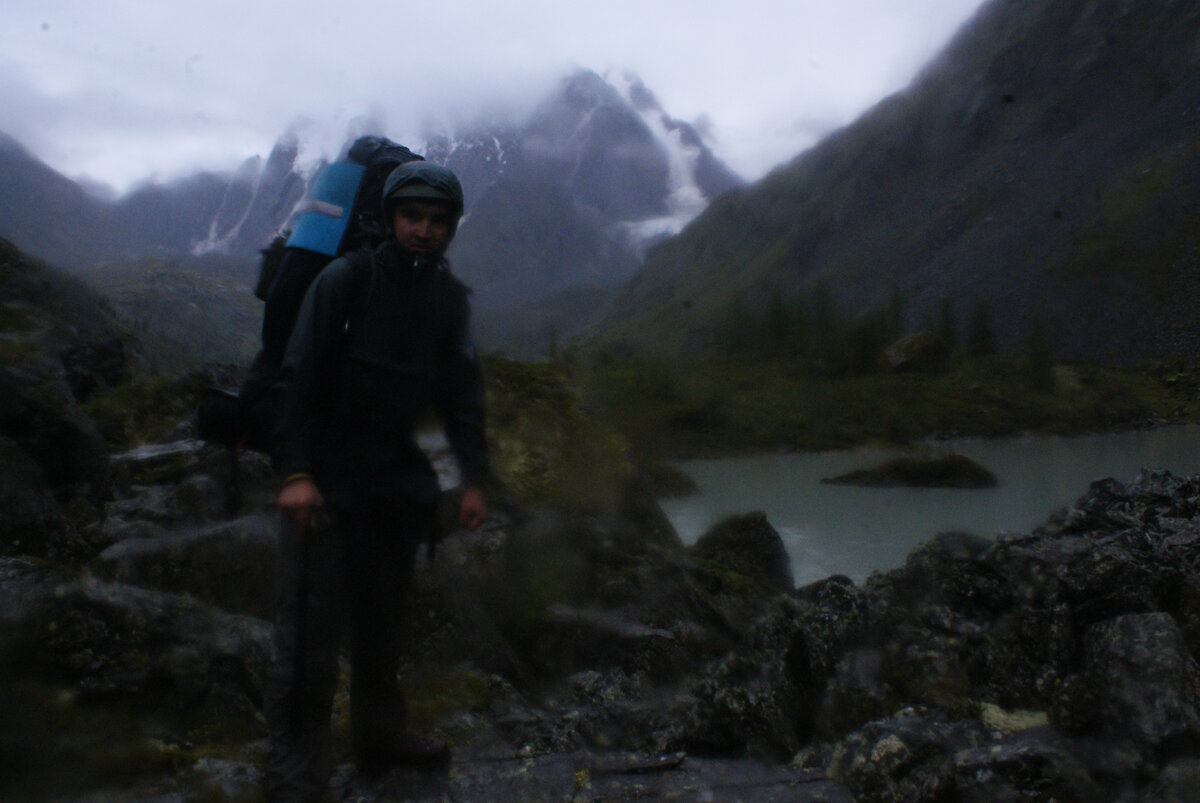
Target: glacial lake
(841, 529)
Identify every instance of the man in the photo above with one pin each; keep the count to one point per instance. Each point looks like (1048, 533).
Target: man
(377, 342)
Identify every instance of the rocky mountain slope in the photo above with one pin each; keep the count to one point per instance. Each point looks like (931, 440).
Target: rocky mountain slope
(561, 205)
(568, 200)
(1044, 165)
(599, 155)
(184, 311)
(52, 217)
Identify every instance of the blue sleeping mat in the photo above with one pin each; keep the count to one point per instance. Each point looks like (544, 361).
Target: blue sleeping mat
(324, 213)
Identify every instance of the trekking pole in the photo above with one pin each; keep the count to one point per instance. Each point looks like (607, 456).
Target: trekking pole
(299, 696)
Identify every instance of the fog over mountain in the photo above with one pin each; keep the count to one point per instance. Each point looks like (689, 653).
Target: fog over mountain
(572, 196)
(232, 215)
(1041, 167)
(119, 92)
(1044, 167)
(562, 204)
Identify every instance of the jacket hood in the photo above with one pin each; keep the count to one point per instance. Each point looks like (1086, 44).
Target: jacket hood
(423, 180)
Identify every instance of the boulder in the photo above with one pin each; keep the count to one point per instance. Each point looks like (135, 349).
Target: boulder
(571, 592)
(749, 545)
(39, 412)
(1140, 685)
(196, 499)
(572, 639)
(159, 462)
(115, 643)
(755, 699)
(923, 755)
(96, 365)
(33, 522)
(1056, 663)
(231, 565)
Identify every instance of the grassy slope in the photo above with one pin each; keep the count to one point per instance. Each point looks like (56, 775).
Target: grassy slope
(185, 311)
(726, 407)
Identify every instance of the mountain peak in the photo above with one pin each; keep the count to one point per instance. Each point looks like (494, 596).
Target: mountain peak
(564, 199)
(630, 85)
(1043, 165)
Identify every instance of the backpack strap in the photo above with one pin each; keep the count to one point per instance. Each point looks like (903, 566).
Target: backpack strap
(362, 274)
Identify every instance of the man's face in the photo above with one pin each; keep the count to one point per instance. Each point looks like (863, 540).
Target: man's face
(423, 226)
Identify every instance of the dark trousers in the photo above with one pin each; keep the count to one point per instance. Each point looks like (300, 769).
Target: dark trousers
(350, 575)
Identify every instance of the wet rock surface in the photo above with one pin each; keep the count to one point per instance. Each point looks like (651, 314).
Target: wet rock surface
(748, 544)
(563, 662)
(584, 654)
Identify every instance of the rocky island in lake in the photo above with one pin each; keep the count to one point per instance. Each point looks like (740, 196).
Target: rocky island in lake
(945, 471)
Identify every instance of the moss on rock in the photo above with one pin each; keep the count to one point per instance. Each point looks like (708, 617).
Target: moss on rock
(546, 449)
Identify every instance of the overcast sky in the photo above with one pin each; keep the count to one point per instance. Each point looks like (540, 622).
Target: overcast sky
(119, 91)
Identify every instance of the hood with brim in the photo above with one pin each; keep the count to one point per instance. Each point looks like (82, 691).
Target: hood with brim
(424, 180)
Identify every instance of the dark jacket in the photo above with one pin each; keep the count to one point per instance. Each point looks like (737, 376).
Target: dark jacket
(369, 356)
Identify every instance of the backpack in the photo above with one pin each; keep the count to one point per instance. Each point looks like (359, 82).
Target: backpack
(340, 215)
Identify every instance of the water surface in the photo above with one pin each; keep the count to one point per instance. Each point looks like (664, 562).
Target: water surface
(842, 529)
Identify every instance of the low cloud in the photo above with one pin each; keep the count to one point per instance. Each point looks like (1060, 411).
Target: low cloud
(118, 91)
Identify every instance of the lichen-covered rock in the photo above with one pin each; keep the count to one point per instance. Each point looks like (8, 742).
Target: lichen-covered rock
(754, 700)
(1141, 685)
(909, 756)
(1057, 663)
(923, 755)
(117, 643)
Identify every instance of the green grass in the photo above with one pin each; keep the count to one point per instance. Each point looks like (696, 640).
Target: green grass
(546, 448)
(727, 407)
(433, 695)
(144, 410)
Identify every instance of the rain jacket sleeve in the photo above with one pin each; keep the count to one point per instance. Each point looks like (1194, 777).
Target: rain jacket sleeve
(459, 399)
(308, 360)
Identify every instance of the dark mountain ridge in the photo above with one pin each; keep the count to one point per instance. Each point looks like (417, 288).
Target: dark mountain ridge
(561, 204)
(567, 200)
(1043, 165)
(234, 215)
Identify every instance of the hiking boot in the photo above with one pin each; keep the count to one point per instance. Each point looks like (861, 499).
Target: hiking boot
(406, 750)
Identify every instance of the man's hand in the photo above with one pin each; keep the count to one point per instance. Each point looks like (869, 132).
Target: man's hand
(472, 508)
(301, 501)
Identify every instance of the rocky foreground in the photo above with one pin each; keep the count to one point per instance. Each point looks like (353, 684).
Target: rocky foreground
(573, 649)
(589, 656)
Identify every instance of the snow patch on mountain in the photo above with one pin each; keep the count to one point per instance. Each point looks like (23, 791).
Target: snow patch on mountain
(235, 206)
(685, 199)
